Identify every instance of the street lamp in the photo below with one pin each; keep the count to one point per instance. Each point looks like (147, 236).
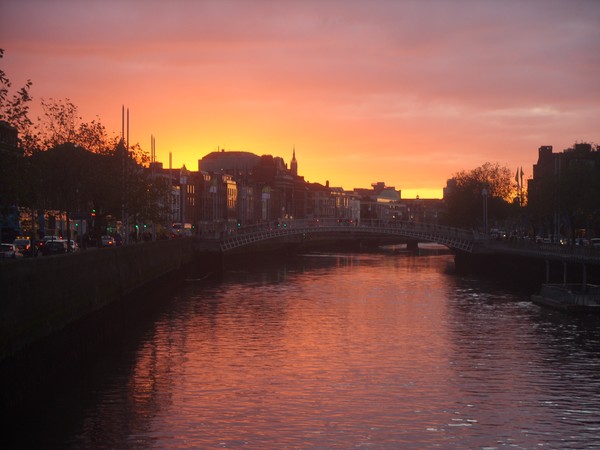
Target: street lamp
(484, 194)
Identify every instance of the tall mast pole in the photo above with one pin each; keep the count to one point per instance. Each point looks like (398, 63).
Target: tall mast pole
(126, 159)
(122, 151)
(171, 185)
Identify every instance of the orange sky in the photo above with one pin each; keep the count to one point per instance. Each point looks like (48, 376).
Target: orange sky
(405, 92)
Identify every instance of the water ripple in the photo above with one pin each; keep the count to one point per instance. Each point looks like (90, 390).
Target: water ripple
(351, 351)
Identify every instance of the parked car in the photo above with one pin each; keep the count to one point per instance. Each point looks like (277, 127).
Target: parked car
(107, 241)
(26, 246)
(595, 242)
(55, 247)
(42, 243)
(10, 251)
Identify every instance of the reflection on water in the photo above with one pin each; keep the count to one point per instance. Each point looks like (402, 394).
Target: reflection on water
(342, 351)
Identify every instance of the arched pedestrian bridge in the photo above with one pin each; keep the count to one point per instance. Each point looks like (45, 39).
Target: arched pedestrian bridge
(332, 229)
(461, 240)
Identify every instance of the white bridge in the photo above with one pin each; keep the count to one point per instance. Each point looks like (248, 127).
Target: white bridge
(298, 230)
(462, 240)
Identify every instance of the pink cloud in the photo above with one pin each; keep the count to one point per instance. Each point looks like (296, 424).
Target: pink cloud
(485, 80)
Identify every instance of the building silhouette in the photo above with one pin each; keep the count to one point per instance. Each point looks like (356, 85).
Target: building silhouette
(563, 194)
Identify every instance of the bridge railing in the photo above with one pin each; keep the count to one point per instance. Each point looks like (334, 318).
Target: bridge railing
(461, 239)
(453, 237)
(363, 224)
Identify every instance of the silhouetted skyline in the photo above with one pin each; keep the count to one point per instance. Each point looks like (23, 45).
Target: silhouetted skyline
(405, 92)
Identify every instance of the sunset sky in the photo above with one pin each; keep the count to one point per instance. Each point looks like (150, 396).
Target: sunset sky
(405, 92)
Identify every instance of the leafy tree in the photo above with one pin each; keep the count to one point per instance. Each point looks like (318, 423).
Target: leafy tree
(464, 201)
(14, 113)
(15, 109)
(70, 165)
(60, 122)
(99, 187)
(63, 170)
(94, 137)
(142, 193)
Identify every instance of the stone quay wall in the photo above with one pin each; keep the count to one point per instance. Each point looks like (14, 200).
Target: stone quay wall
(40, 296)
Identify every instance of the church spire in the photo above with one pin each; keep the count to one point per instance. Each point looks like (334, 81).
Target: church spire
(294, 163)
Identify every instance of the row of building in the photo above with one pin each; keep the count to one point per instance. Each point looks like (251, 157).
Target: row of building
(237, 188)
(232, 189)
(552, 165)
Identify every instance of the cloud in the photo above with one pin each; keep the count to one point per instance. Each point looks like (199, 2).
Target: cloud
(473, 76)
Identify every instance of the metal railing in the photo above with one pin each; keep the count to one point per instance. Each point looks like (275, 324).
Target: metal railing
(452, 237)
(455, 238)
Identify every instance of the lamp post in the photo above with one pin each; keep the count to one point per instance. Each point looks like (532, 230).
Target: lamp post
(484, 194)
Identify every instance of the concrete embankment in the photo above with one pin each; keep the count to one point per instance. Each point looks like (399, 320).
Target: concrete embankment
(40, 296)
(526, 270)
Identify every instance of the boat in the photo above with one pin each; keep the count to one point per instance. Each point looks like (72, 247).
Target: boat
(569, 297)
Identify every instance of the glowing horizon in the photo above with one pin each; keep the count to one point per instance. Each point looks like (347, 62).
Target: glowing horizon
(407, 93)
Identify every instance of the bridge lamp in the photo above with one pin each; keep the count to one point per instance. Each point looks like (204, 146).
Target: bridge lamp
(484, 195)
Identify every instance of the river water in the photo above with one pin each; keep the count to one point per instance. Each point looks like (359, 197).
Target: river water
(375, 351)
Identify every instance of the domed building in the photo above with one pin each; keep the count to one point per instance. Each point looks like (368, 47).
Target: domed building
(234, 163)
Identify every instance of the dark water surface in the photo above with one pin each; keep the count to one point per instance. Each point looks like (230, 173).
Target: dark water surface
(339, 351)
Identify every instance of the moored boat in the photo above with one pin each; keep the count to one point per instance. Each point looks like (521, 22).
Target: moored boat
(569, 297)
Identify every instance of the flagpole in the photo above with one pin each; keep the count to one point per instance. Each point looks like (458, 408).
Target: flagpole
(521, 189)
(518, 186)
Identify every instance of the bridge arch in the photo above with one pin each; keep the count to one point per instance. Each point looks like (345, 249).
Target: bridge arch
(298, 230)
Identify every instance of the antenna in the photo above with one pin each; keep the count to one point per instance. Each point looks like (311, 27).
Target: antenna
(128, 131)
(152, 148)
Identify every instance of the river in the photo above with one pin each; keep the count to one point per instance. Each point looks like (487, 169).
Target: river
(368, 350)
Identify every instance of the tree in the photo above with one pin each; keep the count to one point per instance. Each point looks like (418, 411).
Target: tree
(60, 122)
(465, 200)
(141, 193)
(14, 119)
(57, 169)
(93, 137)
(15, 110)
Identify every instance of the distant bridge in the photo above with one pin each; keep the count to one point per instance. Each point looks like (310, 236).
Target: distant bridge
(299, 230)
(456, 239)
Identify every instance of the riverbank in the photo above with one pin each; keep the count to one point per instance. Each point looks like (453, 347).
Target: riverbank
(41, 296)
(59, 312)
